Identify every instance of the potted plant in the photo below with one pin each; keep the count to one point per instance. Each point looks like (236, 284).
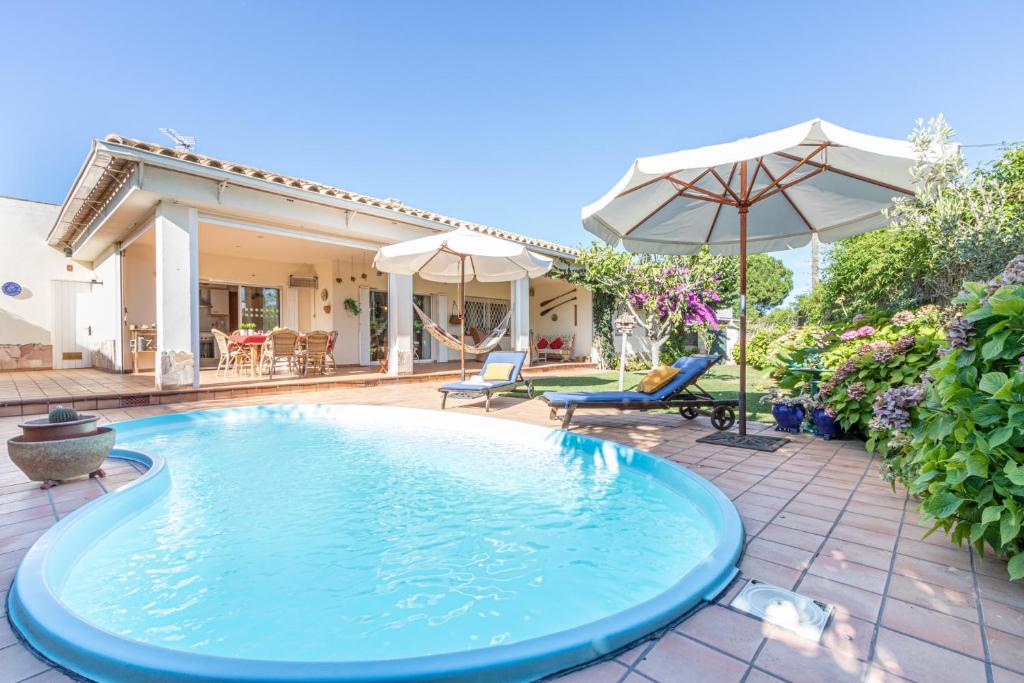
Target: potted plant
(788, 411)
(61, 446)
(352, 306)
(824, 419)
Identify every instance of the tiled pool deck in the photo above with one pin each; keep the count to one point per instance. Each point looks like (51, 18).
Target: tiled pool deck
(818, 519)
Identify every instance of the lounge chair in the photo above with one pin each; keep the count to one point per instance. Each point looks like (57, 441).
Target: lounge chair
(480, 386)
(681, 392)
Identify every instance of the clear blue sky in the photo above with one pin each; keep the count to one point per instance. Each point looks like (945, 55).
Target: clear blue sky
(514, 115)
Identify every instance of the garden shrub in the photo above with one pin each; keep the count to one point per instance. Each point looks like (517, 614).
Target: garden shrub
(957, 441)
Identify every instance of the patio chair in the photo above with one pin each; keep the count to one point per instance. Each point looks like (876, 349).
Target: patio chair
(280, 347)
(501, 370)
(316, 351)
(231, 354)
(329, 357)
(681, 392)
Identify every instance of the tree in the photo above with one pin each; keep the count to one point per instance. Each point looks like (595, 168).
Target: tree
(662, 292)
(769, 281)
(961, 225)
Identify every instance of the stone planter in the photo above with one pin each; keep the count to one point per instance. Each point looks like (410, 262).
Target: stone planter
(54, 461)
(44, 430)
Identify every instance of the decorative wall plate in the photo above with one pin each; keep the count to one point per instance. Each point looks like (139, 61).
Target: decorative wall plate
(324, 294)
(11, 288)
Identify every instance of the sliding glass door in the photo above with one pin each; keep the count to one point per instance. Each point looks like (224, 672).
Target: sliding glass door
(422, 346)
(261, 306)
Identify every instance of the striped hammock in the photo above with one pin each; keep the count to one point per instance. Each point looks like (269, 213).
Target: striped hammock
(452, 342)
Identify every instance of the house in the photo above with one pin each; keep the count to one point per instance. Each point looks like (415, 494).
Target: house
(155, 247)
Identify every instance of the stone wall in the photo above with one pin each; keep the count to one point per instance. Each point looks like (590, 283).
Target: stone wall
(26, 356)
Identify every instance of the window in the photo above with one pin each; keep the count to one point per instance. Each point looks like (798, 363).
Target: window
(485, 314)
(261, 306)
(421, 347)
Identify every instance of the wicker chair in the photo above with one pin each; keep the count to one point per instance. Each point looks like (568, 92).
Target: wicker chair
(231, 354)
(329, 357)
(280, 346)
(316, 351)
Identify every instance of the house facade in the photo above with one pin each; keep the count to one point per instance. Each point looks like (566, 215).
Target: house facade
(154, 248)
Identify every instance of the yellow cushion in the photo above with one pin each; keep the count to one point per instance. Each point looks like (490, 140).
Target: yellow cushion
(656, 379)
(498, 372)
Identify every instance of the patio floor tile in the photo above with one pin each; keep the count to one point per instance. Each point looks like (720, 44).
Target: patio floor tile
(920, 661)
(851, 573)
(1007, 650)
(850, 599)
(800, 660)
(676, 658)
(737, 634)
(935, 627)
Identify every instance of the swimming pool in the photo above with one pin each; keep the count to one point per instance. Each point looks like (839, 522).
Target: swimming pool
(370, 543)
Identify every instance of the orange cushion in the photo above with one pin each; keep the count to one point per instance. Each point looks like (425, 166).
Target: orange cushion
(556, 344)
(656, 379)
(542, 343)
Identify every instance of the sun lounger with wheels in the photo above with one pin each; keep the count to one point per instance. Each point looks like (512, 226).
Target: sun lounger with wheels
(509, 367)
(681, 392)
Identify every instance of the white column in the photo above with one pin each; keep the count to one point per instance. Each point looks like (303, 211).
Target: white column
(440, 315)
(521, 316)
(400, 315)
(177, 295)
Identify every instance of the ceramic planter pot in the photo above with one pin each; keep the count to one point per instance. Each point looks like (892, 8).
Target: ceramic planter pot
(53, 461)
(44, 430)
(825, 425)
(788, 418)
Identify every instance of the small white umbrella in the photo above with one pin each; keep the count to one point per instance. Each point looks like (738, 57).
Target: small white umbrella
(814, 177)
(458, 256)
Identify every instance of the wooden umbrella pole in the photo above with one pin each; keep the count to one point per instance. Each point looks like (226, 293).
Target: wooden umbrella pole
(743, 209)
(462, 315)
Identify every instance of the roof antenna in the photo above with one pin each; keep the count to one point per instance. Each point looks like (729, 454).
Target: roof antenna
(185, 143)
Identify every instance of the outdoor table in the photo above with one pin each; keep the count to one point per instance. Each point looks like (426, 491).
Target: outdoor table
(255, 344)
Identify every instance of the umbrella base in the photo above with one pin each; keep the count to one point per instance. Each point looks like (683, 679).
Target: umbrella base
(754, 442)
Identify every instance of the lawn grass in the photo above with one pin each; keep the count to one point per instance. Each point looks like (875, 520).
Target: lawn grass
(721, 381)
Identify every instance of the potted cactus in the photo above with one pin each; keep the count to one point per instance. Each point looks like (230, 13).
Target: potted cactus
(61, 446)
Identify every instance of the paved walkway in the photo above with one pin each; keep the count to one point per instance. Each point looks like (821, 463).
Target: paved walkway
(818, 520)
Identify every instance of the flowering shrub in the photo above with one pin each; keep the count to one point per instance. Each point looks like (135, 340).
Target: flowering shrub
(957, 440)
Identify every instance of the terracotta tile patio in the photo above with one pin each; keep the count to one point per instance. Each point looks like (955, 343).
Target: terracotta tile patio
(817, 516)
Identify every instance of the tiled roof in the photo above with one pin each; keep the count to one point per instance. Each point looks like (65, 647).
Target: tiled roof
(320, 188)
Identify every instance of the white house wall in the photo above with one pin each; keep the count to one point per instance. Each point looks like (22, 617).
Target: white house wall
(26, 320)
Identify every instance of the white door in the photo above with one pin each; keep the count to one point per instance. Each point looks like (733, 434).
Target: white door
(72, 329)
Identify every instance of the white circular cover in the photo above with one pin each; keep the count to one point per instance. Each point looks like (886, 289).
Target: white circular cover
(436, 258)
(840, 193)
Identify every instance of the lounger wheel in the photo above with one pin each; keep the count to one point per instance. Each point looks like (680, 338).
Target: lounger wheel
(723, 418)
(529, 389)
(689, 412)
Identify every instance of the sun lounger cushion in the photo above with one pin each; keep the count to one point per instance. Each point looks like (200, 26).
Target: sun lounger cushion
(582, 397)
(656, 379)
(500, 372)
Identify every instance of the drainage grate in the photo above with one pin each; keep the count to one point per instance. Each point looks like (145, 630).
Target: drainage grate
(134, 401)
(794, 612)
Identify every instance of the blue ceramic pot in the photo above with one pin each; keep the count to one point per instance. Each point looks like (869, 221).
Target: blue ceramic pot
(788, 418)
(825, 425)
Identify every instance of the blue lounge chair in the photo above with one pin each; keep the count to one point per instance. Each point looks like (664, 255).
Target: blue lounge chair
(681, 392)
(516, 358)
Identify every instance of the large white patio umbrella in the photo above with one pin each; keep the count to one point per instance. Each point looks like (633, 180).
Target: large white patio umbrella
(458, 256)
(758, 194)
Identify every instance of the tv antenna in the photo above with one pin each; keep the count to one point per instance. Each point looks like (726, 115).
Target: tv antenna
(185, 143)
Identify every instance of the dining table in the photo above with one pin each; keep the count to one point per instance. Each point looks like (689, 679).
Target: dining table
(253, 343)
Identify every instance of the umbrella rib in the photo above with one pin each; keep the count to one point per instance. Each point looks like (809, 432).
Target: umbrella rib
(848, 174)
(750, 186)
(791, 202)
(776, 189)
(718, 210)
(725, 186)
(664, 176)
(648, 216)
(790, 170)
(692, 185)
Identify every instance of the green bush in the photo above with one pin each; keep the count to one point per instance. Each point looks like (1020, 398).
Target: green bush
(960, 446)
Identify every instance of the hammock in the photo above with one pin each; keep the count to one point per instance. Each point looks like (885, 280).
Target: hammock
(444, 337)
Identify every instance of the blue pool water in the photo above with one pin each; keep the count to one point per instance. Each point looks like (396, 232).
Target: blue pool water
(350, 533)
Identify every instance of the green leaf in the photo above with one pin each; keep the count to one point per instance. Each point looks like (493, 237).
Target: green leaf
(1009, 527)
(1001, 436)
(1015, 473)
(994, 346)
(1016, 566)
(1005, 392)
(944, 504)
(977, 465)
(991, 382)
(991, 514)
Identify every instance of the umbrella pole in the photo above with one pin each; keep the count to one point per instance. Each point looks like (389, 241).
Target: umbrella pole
(743, 311)
(462, 316)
